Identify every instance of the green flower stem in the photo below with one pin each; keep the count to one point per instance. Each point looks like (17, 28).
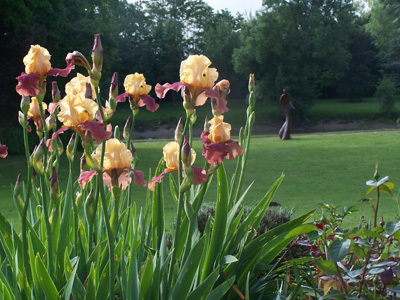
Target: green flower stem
(235, 178)
(48, 226)
(134, 114)
(190, 134)
(244, 158)
(180, 202)
(25, 254)
(376, 206)
(110, 236)
(42, 117)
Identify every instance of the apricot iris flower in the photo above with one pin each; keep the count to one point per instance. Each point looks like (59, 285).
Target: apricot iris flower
(217, 143)
(196, 81)
(171, 158)
(137, 91)
(37, 68)
(117, 162)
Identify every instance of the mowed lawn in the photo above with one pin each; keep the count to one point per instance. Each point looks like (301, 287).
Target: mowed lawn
(318, 169)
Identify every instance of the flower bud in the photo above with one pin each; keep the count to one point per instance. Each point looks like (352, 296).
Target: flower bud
(88, 91)
(87, 139)
(186, 153)
(187, 181)
(70, 148)
(89, 207)
(97, 59)
(117, 134)
(22, 120)
(79, 200)
(135, 158)
(207, 125)
(222, 88)
(25, 104)
(193, 118)
(113, 94)
(49, 122)
(252, 100)
(54, 187)
(18, 194)
(59, 144)
(83, 165)
(53, 218)
(37, 158)
(78, 59)
(179, 131)
(127, 128)
(252, 83)
(55, 92)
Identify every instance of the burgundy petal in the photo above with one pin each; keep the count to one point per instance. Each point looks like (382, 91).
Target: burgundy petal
(215, 153)
(27, 84)
(85, 177)
(156, 179)
(97, 130)
(138, 178)
(122, 97)
(61, 72)
(199, 175)
(150, 103)
(221, 102)
(3, 151)
(161, 90)
(234, 150)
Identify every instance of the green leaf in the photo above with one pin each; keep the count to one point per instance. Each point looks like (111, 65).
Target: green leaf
(103, 286)
(392, 227)
(327, 266)
(202, 290)
(146, 277)
(369, 190)
(90, 287)
(221, 290)
(218, 232)
(188, 271)
(387, 187)
(46, 283)
(338, 250)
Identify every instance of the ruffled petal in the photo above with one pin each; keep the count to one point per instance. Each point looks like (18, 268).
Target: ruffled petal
(199, 175)
(161, 90)
(150, 103)
(157, 179)
(122, 97)
(215, 152)
(97, 130)
(27, 84)
(221, 102)
(85, 177)
(3, 151)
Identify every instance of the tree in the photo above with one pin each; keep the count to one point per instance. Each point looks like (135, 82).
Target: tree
(300, 45)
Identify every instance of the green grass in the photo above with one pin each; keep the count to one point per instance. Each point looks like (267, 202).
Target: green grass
(330, 169)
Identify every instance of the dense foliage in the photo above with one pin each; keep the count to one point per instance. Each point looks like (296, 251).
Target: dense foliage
(314, 49)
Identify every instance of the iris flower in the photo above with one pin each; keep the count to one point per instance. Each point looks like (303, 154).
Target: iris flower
(37, 68)
(196, 82)
(171, 158)
(137, 91)
(117, 162)
(78, 112)
(217, 143)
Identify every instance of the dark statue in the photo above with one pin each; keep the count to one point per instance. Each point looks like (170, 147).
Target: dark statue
(287, 107)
